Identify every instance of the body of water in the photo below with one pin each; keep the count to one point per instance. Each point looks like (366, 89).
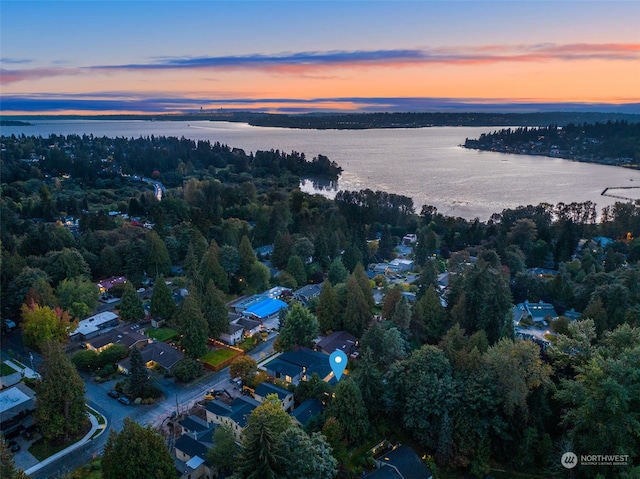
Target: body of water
(426, 164)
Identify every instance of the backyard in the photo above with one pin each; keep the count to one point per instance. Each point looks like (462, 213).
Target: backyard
(218, 358)
(162, 334)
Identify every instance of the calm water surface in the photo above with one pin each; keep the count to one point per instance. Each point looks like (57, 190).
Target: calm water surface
(425, 164)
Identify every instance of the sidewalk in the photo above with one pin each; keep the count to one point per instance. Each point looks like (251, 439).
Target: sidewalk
(95, 426)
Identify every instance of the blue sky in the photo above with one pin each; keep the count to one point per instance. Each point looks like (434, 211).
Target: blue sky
(108, 56)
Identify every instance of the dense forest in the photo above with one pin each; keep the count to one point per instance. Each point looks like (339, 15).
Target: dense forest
(452, 381)
(615, 143)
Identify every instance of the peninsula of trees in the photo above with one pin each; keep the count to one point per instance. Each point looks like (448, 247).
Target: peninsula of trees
(440, 367)
(362, 121)
(610, 143)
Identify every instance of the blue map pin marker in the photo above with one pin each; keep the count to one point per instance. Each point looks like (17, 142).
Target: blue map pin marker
(338, 361)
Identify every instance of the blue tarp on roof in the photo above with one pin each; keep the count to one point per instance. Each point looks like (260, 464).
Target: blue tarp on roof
(265, 308)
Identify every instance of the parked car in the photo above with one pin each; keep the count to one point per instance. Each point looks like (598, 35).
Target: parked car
(124, 400)
(14, 446)
(114, 394)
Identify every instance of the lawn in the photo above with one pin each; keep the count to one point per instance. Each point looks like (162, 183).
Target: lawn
(162, 334)
(42, 448)
(5, 370)
(218, 356)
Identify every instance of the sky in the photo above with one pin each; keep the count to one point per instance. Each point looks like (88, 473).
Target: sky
(103, 57)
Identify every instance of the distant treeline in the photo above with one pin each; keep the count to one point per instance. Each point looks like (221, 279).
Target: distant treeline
(169, 159)
(362, 121)
(613, 142)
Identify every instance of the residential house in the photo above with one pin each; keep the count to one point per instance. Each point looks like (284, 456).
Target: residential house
(161, 355)
(234, 414)
(538, 312)
(249, 326)
(265, 309)
(233, 335)
(93, 325)
(126, 335)
(300, 365)
(264, 389)
(195, 427)
(191, 459)
(409, 239)
(16, 405)
(401, 462)
(342, 340)
(307, 293)
(399, 265)
(307, 410)
(106, 284)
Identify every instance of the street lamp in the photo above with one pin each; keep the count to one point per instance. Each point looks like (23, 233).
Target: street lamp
(31, 358)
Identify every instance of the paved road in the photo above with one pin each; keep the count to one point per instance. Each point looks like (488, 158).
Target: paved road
(153, 415)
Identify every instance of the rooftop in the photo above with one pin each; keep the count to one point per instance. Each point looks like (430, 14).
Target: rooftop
(265, 308)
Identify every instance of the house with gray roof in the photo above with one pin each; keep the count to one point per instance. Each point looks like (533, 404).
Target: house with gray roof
(154, 354)
(538, 312)
(299, 365)
(285, 396)
(307, 293)
(234, 414)
(191, 459)
(127, 335)
(233, 334)
(401, 462)
(307, 410)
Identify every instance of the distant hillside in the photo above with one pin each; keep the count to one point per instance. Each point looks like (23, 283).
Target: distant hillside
(360, 121)
(612, 143)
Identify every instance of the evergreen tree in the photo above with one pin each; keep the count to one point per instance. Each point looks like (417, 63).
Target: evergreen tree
(365, 284)
(401, 315)
(351, 256)
(247, 257)
(295, 267)
(282, 250)
(131, 308)
(224, 453)
(135, 261)
(300, 328)
(215, 311)
(193, 327)
(390, 301)
(60, 405)
(357, 314)
(260, 457)
(337, 272)
(328, 309)
(385, 245)
(349, 409)
(162, 303)
(428, 320)
(158, 261)
(485, 302)
(139, 379)
(369, 380)
(136, 452)
(210, 268)
(385, 343)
